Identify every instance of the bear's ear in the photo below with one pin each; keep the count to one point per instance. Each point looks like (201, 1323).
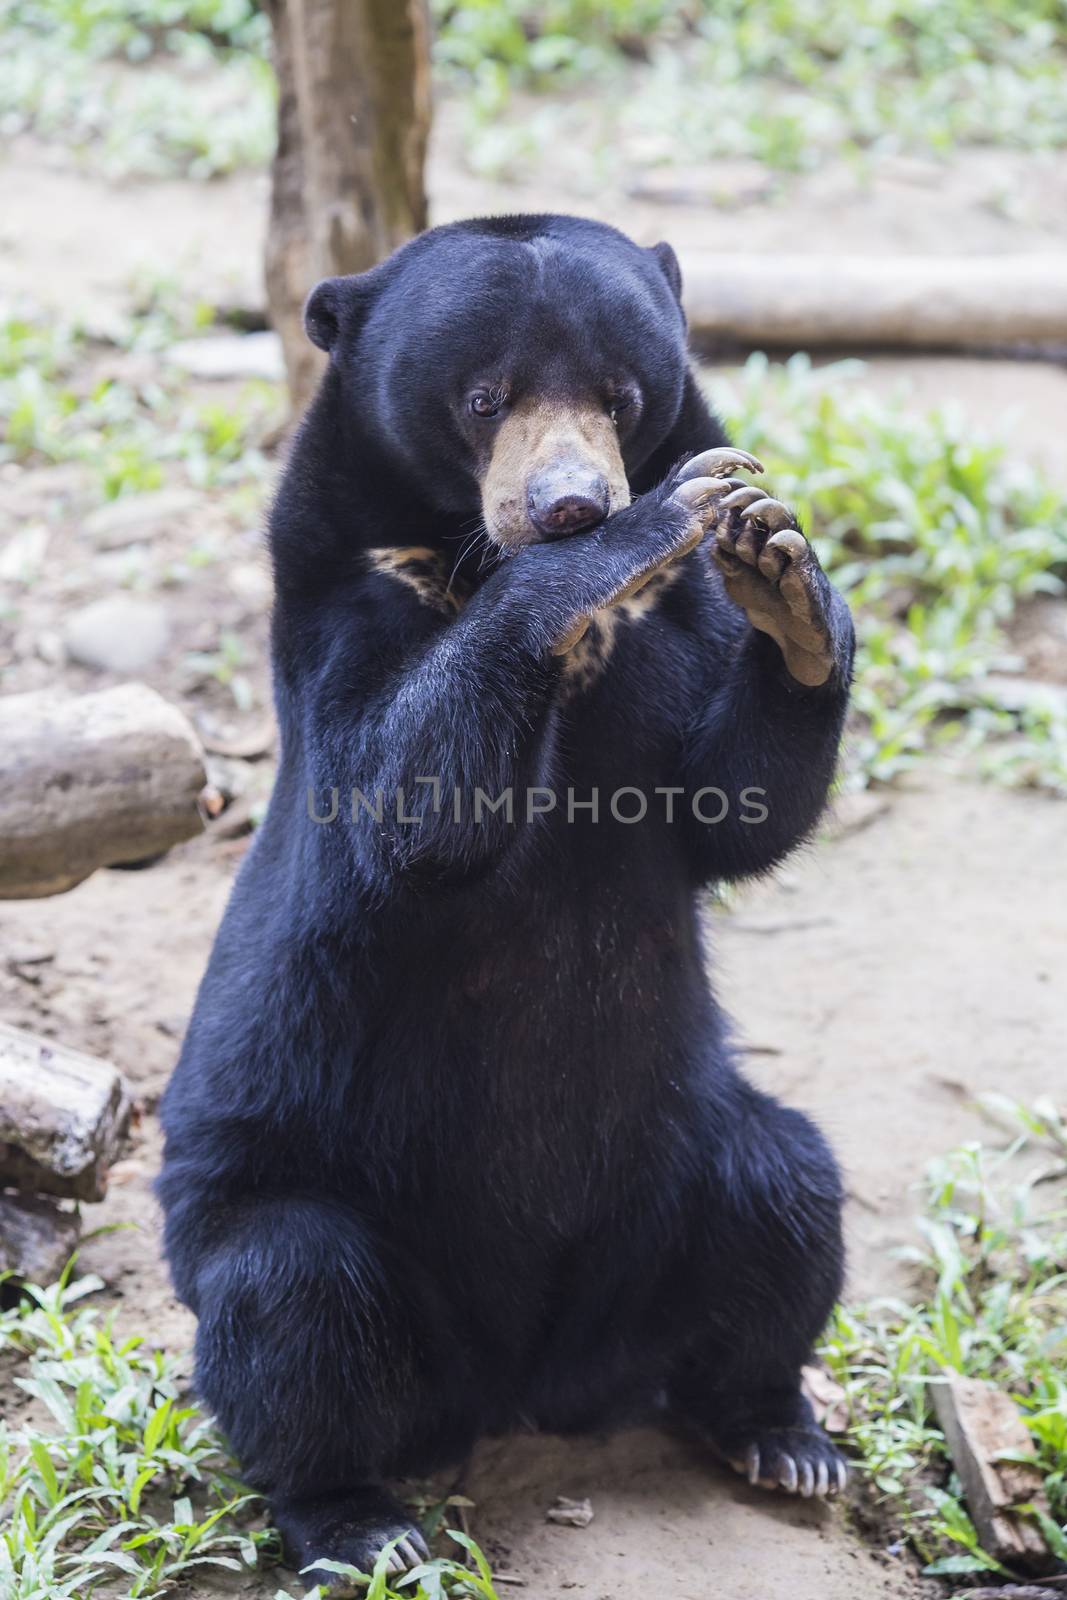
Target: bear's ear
(329, 306)
(668, 265)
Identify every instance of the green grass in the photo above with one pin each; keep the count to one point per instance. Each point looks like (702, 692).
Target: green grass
(935, 535)
(103, 1491)
(118, 1480)
(784, 81)
(146, 88)
(992, 1272)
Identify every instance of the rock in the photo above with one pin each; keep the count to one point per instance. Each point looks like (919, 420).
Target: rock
(22, 557)
(63, 1116)
(228, 355)
(121, 634)
(139, 516)
(37, 1238)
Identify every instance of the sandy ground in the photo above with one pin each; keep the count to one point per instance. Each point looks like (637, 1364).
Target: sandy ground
(880, 981)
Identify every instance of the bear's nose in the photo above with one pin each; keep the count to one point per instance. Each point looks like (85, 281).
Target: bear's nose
(565, 500)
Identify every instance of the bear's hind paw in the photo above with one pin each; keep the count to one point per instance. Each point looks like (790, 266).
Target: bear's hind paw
(794, 1460)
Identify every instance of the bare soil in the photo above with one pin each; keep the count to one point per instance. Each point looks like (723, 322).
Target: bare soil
(881, 980)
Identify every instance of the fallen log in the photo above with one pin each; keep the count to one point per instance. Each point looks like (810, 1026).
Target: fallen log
(981, 1425)
(37, 1238)
(811, 302)
(62, 1117)
(91, 781)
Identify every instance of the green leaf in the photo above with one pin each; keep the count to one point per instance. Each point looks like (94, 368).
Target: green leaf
(1055, 1536)
(44, 1464)
(156, 1426)
(968, 1563)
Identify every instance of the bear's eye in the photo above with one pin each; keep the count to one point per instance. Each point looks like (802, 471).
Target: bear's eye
(487, 402)
(619, 404)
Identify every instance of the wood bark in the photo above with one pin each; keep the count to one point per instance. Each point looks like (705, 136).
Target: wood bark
(63, 1116)
(353, 122)
(89, 781)
(926, 302)
(981, 1424)
(37, 1238)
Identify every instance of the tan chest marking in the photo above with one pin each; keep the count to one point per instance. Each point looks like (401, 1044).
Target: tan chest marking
(424, 571)
(585, 661)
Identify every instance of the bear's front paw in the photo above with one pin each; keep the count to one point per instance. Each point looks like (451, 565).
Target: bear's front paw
(771, 570)
(690, 500)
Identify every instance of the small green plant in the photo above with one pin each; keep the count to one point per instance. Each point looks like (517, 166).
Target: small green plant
(431, 1580)
(115, 1479)
(992, 1272)
(103, 1491)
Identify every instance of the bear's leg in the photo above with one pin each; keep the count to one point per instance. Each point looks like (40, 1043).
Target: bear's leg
(769, 1253)
(306, 1355)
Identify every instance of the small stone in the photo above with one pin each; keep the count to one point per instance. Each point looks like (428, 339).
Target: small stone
(227, 355)
(120, 634)
(251, 582)
(139, 516)
(50, 647)
(23, 554)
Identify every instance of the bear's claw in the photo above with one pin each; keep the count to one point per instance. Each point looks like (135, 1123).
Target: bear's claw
(771, 571)
(798, 1461)
(718, 463)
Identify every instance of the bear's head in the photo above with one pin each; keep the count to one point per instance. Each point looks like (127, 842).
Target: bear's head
(520, 367)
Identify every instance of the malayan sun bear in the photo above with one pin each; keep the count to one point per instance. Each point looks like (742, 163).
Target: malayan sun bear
(458, 1142)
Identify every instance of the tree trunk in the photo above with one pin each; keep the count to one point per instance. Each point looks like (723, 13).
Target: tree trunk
(353, 121)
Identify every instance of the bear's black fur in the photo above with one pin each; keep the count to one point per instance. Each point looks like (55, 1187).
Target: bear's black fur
(457, 1142)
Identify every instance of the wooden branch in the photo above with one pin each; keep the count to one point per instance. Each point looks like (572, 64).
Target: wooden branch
(980, 1424)
(802, 302)
(37, 1238)
(63, 1116)
(90, 781)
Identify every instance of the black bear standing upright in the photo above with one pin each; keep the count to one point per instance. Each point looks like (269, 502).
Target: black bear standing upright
(457, 1142)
